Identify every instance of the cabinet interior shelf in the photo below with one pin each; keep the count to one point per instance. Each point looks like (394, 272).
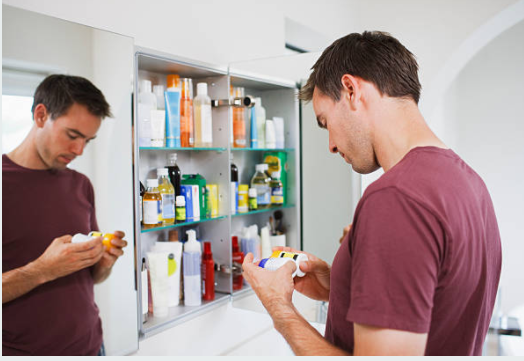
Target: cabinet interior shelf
(263, 210)
(213, 149)
(181, 224)
(262, 149)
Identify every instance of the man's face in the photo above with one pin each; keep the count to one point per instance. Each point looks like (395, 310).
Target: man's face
(60, 141)
(349, 134)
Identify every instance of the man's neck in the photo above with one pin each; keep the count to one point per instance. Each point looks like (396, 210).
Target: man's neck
(26, 154)
(400, 129)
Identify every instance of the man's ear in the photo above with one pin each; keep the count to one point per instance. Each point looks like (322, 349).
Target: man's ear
(40, 115)
(351, 89)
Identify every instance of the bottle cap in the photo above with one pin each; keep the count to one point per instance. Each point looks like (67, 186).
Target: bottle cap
(161, 171)
(145, 86)
(180, 201)
(260, 168)
(173, 81)
(258, 102)
(202, 89)
(243, 188)
(275, 175)
(207, 247)
(252, 192)
(152, 183)
(192, 245)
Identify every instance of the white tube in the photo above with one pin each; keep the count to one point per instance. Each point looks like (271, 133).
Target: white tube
(159, 285)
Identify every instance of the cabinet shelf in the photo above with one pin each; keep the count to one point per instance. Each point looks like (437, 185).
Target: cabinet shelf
(262, 149)
(212, 149)
(263, 210)
(181, 224)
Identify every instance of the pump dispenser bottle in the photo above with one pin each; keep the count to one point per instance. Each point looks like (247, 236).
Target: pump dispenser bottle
(208, 273)
(192, 264)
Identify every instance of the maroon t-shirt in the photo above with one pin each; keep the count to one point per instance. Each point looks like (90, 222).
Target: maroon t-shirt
(58, 317)
(423, 256)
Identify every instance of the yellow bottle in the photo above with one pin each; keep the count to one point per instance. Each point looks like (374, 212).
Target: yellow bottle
(167, 194)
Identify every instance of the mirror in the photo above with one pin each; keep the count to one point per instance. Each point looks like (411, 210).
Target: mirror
(35, 46)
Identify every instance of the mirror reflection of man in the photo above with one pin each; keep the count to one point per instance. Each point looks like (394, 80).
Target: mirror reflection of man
(48, 305)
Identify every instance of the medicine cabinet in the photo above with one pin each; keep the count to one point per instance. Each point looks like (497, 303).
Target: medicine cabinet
(279, 98)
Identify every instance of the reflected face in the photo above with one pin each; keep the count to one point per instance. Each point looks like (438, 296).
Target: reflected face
(349, 133)
(60, 141)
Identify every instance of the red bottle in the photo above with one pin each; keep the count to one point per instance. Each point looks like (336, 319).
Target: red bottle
(238, 257)
(208, 273)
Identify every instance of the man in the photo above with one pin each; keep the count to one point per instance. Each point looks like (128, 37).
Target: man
(48, 303)
(418, 271)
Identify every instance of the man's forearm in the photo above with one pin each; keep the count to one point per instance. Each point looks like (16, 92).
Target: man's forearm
(300, 335)
(19, 281)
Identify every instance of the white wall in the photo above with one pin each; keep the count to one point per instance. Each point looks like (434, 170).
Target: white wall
(483, 114)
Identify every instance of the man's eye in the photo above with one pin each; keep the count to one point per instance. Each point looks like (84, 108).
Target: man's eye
(72, 137)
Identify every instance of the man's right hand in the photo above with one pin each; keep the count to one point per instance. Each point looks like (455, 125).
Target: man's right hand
(315, 284)
(62, 257)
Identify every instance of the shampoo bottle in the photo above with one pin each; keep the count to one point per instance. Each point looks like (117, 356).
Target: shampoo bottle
(203, 120)
(261, 122)
(208, 273)
(192, 264)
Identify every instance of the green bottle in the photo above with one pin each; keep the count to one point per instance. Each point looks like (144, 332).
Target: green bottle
(197, 179)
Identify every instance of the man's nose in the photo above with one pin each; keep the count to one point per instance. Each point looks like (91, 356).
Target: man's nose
(78, 147)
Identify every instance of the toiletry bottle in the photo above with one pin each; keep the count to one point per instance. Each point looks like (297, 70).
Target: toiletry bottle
(272, 264)
(208, 273)
(252, 195)
(180, 209)
(239, 121)
(187, 136)
(167, 192)
(152, 205)
(243, 198)
(145, 291)
(238, 259)
(261, 122)
(158, 90)
(172, 105)
(279, 132)
(265, 242)
(234, 187)
(146, 103)
(271, 137)
(260, 182)
(175, 175)
(191, 264)
(297, 257)
(277, 191)
(254, 128)
(203, 119)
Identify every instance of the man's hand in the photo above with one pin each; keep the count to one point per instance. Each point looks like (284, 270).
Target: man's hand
(62, 257)
(345, 232)
(106, 263)
(315, 284)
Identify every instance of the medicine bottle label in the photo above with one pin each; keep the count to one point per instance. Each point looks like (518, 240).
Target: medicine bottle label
(152, 212)
(277, 195)
(168, 206)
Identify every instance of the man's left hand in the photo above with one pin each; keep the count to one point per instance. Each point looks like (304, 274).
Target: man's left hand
(103, 267)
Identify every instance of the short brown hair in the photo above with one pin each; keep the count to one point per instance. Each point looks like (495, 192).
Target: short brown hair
(59, 92)
(374, 56)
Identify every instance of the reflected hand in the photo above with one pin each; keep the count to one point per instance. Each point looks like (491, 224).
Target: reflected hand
(316, 283)
(111, 254)
(61, 258)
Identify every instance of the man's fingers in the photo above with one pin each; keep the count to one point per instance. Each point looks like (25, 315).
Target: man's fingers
(119, 234)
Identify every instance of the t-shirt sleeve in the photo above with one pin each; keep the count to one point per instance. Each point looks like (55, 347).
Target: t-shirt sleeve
(395, 262)
(91, 198)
